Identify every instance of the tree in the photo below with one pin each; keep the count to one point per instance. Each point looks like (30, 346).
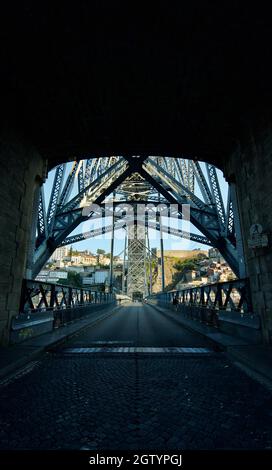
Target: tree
(73, 280)
(99, 251)
(185, 265)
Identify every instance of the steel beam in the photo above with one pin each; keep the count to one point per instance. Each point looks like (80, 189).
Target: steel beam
(216, 194)
(54, 198)
(200, 221)
(71, 219)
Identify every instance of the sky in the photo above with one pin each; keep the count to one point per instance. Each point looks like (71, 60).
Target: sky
(170, 242)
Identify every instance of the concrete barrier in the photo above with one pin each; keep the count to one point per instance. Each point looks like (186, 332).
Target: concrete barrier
(244, 326)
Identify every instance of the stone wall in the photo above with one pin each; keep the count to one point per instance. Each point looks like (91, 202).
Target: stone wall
(20, 176)
(250, 167)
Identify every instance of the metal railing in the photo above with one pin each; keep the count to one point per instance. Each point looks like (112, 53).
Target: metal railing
(65, 302)
(205, 302)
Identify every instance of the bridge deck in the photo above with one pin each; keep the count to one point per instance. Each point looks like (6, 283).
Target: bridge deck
(174, 392)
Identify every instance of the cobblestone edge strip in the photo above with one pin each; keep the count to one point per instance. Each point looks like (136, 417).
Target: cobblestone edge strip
(33, 354)
(231, 353)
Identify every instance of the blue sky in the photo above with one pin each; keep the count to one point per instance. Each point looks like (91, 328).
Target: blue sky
(103, 241)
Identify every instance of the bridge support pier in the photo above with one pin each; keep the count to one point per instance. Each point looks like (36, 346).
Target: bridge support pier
(20, 177)
(250, 167)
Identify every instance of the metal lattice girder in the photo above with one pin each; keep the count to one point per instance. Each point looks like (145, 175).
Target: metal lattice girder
(67, 221)
(54, 199)
(95, 187)
(206, 221)
(202, 183)
(73, 214)
(68, 186)
(80, 176)
(211, 197)
(92, 233)
(184, 170)
(169, 165)
(103, 165)
(173, 185)
(41, 222)
(216, 194)
(181, 171)
(191, 176)
(179, 175)
(230, 232)
(121, 223)
(181, 233)
(136, 276)
(90, 167)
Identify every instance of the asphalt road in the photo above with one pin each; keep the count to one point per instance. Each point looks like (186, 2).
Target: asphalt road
(140, 325)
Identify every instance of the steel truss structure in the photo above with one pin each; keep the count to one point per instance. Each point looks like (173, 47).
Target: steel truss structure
(79, 195)
(136, 269)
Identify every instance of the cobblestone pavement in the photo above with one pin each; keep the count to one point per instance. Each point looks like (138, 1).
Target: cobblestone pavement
(134, 401)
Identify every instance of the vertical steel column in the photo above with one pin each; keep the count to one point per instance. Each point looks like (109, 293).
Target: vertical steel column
(124, 265)
(145, 271)
(162, 259)
(150, 262)
(112, 249)
(136, 285)
(158, 220)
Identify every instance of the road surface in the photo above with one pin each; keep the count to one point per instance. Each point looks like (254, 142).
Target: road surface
(136, 380)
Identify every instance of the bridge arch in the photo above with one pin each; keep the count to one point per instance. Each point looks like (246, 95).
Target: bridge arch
(157, 181)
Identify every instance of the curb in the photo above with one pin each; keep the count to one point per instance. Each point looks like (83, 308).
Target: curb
(228, 350)
(219, 346)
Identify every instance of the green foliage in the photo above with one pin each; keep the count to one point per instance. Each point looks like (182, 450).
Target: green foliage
(73, 279)
(183, 265)
(73, 252)
(99, 251)
(201, 256)
(177, 277)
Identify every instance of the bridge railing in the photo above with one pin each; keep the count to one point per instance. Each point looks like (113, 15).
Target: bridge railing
(206, 302)
(45, 306)
(43, 296)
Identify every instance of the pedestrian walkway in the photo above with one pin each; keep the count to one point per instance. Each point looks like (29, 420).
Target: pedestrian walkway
(257, 357)
(16, 356)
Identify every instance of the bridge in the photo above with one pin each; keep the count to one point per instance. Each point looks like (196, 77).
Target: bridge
(132, 130)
